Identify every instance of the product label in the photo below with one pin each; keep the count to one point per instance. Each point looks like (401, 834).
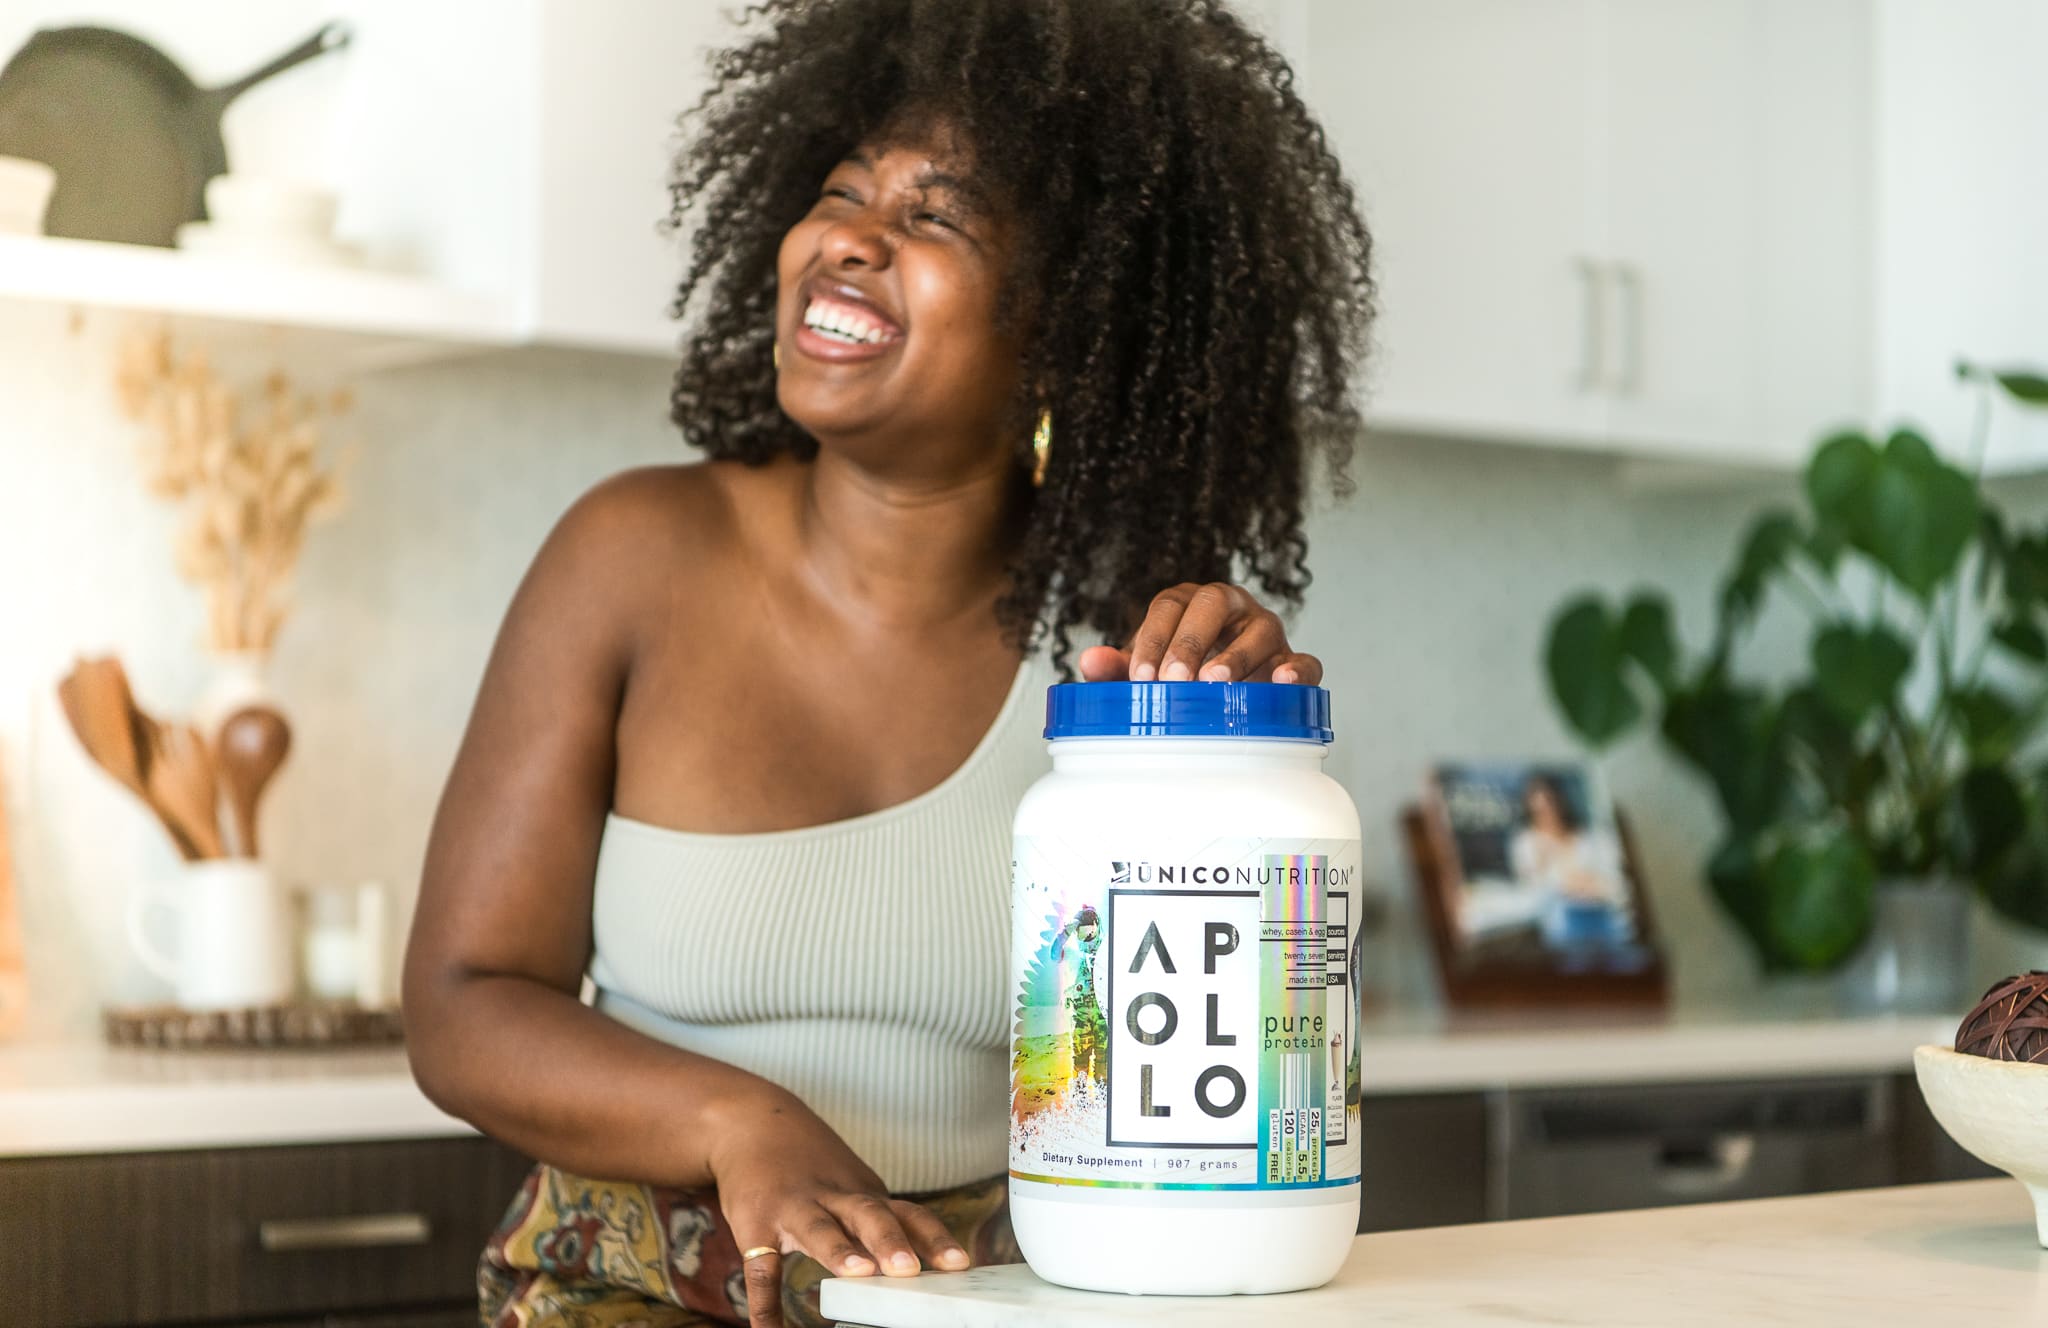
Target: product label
(1185, 1020)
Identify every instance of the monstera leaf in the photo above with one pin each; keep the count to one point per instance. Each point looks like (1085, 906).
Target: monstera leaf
(1594, 655)
(1858, 670)
(1910, 512)
(1899, 751)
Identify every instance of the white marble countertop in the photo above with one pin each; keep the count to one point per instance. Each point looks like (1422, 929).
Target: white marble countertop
(88, 1098)
(83, 1097)
(1926, 1254)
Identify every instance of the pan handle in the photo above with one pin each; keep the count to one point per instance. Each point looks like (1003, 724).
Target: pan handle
(330, 38)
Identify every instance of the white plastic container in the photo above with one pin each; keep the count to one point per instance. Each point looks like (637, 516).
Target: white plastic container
(1183, 1052)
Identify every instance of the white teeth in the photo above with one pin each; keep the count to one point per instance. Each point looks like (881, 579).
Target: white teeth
(843, 325)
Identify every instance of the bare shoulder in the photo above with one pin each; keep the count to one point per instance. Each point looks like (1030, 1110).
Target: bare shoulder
(628, 552)
(642, 514)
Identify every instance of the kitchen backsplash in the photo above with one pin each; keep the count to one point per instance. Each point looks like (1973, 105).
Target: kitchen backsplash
(1435, 582)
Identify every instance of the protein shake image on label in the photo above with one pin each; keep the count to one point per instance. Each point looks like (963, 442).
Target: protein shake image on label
(1184, 1048)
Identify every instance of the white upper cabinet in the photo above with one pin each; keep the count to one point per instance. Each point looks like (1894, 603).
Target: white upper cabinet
(1701, 228)
(1466, 126)
(1737, 152)
(1634, 224)
(528, 143)
(1812, 146)
(1680, 79)
(614, 79)
(1962, 216)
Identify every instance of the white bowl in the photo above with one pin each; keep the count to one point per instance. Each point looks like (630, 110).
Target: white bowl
(25, 189)
(1998, 1110)
(264, 205)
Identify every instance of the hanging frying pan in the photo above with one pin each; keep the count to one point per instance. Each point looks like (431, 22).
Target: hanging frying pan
(132, 138)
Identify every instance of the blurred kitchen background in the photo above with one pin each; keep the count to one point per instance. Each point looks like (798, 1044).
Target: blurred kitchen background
(1636, 258)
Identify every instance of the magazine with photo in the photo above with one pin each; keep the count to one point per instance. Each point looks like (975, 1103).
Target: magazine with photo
(1539, 871)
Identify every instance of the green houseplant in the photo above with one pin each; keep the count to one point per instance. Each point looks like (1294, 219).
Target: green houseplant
(1906, 751)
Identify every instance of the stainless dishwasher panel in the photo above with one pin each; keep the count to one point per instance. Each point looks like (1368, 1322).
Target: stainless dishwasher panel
(1588, 1150)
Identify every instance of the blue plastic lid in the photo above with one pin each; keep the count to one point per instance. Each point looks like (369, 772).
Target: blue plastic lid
(1187, 710)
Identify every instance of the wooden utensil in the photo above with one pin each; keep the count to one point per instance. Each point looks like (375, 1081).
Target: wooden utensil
(117, 735)
(183, 788)
(253, 743)
(97, 701)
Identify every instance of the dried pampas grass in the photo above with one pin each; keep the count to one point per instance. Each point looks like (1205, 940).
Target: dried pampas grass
(247, 468)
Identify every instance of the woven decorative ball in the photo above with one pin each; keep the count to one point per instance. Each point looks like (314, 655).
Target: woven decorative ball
(2011, 1022)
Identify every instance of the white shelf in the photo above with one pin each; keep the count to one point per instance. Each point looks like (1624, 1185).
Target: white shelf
(379, 307)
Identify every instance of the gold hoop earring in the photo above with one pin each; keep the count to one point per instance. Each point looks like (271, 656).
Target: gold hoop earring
(1041, 447)
(775, 353)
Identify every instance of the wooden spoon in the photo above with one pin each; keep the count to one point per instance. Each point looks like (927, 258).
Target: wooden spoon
(253, 743)
(96, 700)
(182, 786)
(116, 735)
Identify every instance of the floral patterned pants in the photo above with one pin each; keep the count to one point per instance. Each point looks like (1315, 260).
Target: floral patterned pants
(577, 1253)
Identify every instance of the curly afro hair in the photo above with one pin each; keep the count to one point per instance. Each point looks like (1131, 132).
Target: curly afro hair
(1192, 269)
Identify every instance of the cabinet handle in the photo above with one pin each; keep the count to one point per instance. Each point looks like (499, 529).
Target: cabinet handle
(372, 1231)
(1630, 283)
(1592, 323)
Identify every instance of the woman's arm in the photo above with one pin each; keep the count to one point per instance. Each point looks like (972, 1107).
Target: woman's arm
(502, 933)
(502, 936)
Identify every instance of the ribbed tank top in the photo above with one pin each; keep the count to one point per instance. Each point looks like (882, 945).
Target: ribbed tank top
(862, 964)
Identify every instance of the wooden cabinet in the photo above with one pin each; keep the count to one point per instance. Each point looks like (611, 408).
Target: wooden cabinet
(1424, 1157)
(341, 1233)
(462, 1316)
(1637, 224)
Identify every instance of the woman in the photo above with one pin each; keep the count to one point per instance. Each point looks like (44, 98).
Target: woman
(1575, 868)
(1011, 320)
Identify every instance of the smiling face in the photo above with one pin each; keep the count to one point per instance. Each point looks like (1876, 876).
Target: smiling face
(886, 312)
(1544, 812)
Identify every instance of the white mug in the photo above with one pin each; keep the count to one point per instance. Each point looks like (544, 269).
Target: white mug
(232, 943)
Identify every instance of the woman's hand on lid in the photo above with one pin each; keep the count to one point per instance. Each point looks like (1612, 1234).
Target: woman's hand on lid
(786, 1180)
(1211, 633)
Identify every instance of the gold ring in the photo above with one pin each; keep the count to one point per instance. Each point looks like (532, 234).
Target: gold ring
(748, 1256)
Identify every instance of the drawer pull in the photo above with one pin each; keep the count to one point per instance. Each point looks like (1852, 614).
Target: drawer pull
(373, 1231)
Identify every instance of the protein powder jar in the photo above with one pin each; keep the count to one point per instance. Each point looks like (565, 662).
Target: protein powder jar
(1184, 1058)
